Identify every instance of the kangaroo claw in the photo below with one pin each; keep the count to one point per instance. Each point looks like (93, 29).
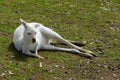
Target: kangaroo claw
(87, 55)
(40, 57)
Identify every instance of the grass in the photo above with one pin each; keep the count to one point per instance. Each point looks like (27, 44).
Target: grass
(97, 22)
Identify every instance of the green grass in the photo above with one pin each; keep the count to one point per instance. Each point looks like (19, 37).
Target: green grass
(94, 21)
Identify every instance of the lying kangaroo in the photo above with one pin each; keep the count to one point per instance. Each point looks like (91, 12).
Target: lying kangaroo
(31, 37)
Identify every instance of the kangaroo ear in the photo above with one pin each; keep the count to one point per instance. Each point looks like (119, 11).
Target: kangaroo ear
(24, 23)
(37, 25)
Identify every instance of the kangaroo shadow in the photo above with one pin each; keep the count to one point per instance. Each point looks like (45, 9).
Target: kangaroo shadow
(18, 56)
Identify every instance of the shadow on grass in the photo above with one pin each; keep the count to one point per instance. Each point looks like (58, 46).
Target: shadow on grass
(18, 56)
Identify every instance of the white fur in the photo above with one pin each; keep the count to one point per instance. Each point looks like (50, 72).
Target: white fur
(34, 36)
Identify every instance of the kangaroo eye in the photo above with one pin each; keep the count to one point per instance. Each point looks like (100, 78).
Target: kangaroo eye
(29, 33)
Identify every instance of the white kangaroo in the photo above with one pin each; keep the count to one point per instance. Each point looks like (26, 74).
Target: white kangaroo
(29, 37)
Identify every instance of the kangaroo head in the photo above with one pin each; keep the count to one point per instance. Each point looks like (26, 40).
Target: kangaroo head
(30, 31)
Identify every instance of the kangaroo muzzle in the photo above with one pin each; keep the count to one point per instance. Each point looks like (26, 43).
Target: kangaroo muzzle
(33, 40)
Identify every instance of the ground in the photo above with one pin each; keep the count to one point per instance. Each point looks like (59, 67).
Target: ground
(96, 22)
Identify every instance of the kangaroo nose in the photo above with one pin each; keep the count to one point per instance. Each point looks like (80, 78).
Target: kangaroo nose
(33, 40)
